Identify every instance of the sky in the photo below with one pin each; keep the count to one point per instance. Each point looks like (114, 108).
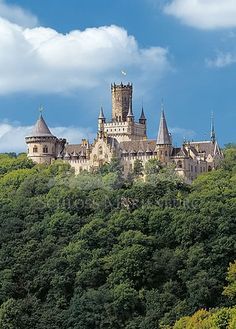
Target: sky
(64, 55)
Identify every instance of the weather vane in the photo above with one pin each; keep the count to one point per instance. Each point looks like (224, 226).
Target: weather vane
(41, 109)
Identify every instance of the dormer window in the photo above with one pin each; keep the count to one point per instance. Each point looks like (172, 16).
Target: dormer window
(35, 149)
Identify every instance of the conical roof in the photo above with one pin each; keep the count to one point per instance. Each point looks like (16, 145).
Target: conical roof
(41, 129)
(130, 113)
(142, 116)
(163, 134)
(101, 114)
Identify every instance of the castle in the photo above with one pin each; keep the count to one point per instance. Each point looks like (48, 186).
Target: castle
(125, 139)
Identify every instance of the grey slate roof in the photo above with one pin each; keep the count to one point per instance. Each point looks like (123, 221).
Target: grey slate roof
(101, 114)
(203, 147)
(41, 129)
(138, 146)
(142, 116)
(163, 133)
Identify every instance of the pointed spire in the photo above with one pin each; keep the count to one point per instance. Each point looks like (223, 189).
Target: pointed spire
(41, 128)
(101, 114)
(130, 113)
(213, 134)
(142, 116)
(163, 133)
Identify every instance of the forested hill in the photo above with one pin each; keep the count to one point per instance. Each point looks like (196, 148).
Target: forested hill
(95, 251)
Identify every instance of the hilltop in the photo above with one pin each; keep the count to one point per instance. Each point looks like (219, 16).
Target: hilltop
(99, 251)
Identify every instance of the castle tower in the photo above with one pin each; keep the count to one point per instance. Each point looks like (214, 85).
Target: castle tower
(164, 143)
(121, 101)
(42, 145)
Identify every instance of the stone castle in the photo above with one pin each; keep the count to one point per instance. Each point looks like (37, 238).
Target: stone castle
(125, 139)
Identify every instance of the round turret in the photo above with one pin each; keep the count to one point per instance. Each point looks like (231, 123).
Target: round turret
(42, 145)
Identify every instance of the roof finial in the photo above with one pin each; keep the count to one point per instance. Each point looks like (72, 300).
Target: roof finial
(41, 109)
(213, 134)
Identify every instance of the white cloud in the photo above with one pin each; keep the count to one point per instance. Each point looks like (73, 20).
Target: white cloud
(221, 60)
(43, 60)
(16, 14)
(12, 135)
(204, 14)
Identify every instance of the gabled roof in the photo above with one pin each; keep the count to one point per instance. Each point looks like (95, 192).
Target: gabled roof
(41, 129)
(138, 146)
(163, 133)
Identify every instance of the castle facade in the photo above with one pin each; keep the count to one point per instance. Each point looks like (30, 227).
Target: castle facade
(125, 139)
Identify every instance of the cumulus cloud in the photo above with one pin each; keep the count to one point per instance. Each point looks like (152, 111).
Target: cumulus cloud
(16, 14)
(42, 60)
(12, 135)
(204, 14)
(221, 60)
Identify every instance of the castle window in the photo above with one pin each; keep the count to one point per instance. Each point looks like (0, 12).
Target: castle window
(209, 168)
(35, 149)
(45, 149)
(166, 153)
(100, 150)
(179, 164)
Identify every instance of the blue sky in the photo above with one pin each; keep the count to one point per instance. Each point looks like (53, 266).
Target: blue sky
(183, 51)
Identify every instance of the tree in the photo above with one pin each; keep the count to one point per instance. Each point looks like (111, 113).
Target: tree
(230, 290)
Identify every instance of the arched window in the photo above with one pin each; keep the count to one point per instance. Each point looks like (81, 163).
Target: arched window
(166, 153)
(100, 150)
(35, 149)
(45, 149)
(209, 168)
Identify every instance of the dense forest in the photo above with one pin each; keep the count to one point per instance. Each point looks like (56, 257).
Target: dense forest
(100, 251)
